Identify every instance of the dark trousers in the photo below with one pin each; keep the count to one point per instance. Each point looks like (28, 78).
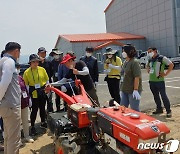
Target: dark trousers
(49, 102)
(93, 95)
(113, 86)
(57, 102)
(57, 98)
(157, 89)
(38, 103)
(1, 124)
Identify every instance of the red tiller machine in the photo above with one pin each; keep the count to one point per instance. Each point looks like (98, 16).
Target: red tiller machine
(86, 129)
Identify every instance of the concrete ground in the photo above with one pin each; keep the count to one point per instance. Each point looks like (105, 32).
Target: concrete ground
(147, 101)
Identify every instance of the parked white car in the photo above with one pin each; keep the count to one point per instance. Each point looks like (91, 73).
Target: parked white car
(143, 58)
(175, 61)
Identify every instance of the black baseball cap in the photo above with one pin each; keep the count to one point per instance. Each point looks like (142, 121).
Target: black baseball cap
(90, 49)
(33, 57)
(41, 49)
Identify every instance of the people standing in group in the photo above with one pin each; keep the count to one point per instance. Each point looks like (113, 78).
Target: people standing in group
(55, 64)
(36, 78)
(131, 86)
(92, 64)
(80, 71)
(48, 67)
(156, 69)
(10, 98)
(25, 104)
(112, 68)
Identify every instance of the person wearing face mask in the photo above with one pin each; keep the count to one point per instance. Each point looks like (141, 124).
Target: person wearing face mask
(131, 86)
(92, 64)
(156, 69)
(46, 64)
(36, 78)
(66, 88)
(57, 58)
(112, 68)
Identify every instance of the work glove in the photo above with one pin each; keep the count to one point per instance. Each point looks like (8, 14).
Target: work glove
(114, 67)
(106, 71)
(136, 95)
(63, 89)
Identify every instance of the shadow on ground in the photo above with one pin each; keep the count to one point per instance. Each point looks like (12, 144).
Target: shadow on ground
(47, 149)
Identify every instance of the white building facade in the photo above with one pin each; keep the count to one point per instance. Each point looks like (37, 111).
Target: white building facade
(157, 20)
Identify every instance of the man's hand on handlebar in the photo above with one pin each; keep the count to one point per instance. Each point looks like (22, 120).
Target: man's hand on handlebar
(75, 71)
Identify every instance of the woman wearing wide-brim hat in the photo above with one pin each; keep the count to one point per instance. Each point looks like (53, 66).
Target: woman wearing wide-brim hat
(112, 68)
(36, 78)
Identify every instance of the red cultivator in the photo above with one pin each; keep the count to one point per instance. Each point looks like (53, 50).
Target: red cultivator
(110, 130)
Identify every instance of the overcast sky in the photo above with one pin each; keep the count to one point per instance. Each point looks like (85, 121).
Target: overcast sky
(36, 23)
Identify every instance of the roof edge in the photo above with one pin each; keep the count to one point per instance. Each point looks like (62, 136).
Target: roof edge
(57, 41)
(108, 6)
(108, 43)
(105, 39)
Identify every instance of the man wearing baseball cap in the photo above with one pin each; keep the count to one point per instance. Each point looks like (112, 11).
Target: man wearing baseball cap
(48, 67)
(57, 58)
(80, 71)
(44, 62)
(92, 64)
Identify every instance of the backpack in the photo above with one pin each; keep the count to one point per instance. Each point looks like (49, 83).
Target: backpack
(159, 60)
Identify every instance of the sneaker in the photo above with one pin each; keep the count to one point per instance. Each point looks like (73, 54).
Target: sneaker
(158, 111)
(33, 131)
(50, 110)
(43, 125)
(169, 115)
(29, 139)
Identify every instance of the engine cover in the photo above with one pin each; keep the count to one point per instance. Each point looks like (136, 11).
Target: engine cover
(59, 123)
(78, 115)
(130, 127)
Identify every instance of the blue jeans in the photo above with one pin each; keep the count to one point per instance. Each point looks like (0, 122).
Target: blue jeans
(127, 99)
